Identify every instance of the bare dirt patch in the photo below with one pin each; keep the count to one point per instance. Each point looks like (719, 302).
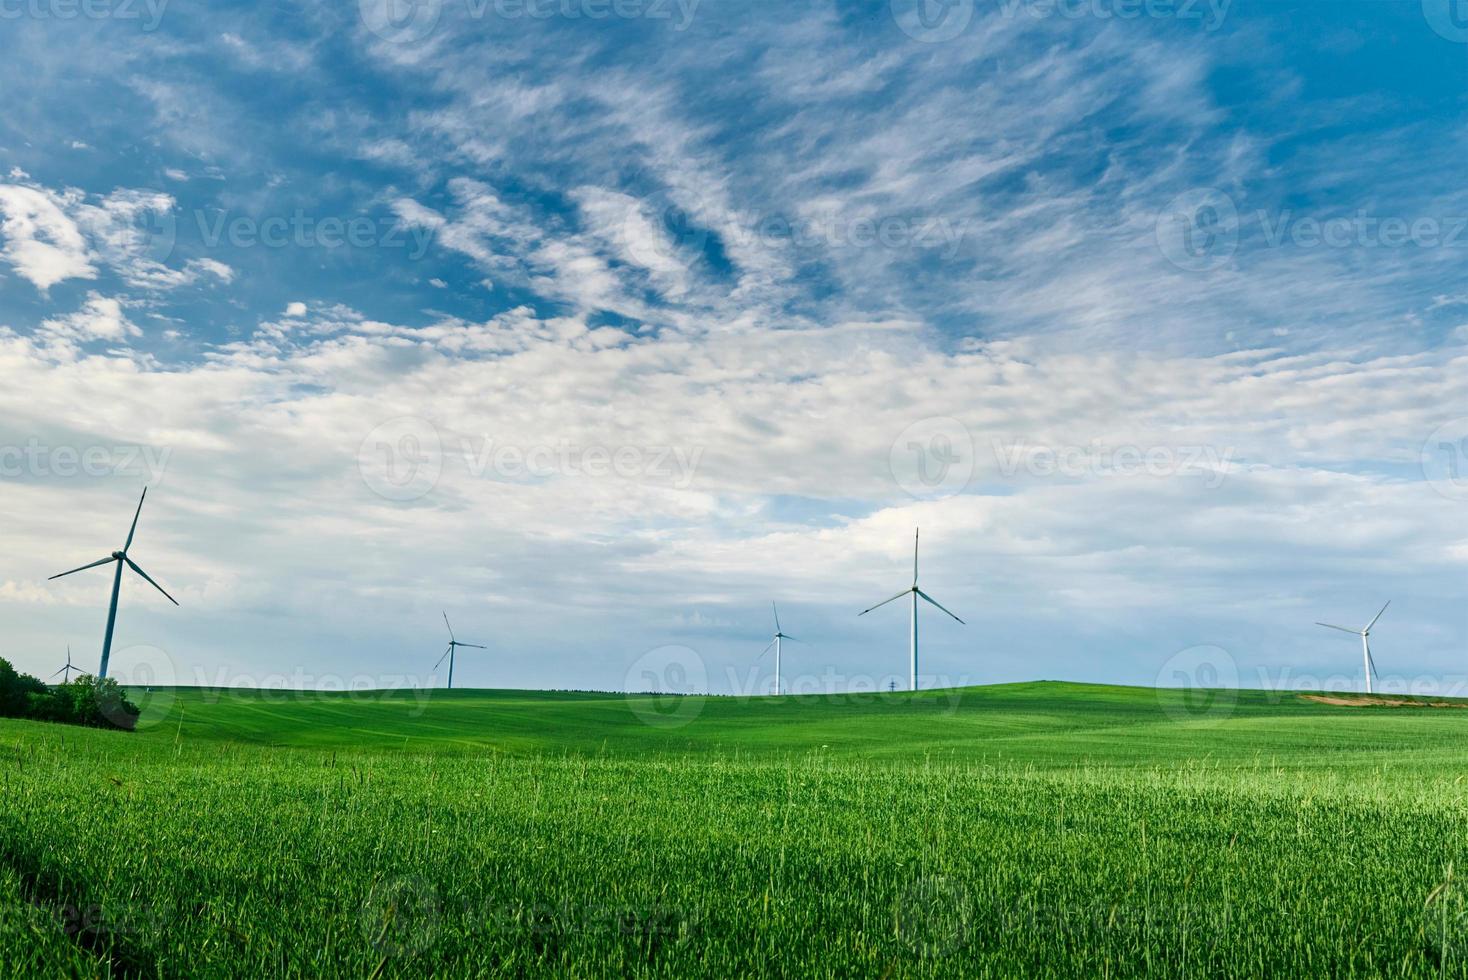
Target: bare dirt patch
(1377, 701)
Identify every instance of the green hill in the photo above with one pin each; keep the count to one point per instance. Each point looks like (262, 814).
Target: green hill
(1042, 723)
(1023, 830)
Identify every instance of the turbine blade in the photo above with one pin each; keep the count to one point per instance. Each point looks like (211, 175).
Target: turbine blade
(443, 658)
(884, 602)
(134, 566)
(765, 651)
(474, 646)
(446, 623)
(1329, 626)
(1378, 616)
(1372, 661)
(938, 604)
(99, 561)
(54, 675)
(134, 529)
(794, 639)
(777, 616)
(915, 533)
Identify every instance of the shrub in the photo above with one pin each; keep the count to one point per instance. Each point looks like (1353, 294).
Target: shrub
(15, 690)
(98, 702)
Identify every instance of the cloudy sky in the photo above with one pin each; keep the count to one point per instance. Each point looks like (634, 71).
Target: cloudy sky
(602, 323)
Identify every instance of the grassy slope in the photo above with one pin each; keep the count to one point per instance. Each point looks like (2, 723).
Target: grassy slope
(34, 941)
(1041, 723)
(1036, 829)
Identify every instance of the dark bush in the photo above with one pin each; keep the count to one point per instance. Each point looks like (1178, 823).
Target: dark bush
(98, 702)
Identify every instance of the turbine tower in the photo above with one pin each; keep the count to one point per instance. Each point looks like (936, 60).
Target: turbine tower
(448, 654)
(67, 669)
(915, 593)
(1369, 664)
(121, 558)
(779, 635)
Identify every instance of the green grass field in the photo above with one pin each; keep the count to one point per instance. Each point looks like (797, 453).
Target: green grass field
(1025, 830)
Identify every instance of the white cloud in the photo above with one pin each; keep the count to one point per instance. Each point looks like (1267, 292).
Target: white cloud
(50, 237)
(280, 55)
(101, 318)
(196, 269)
(29, 593)
(40, 240)
(782, 366)
(719, 428)
(634, 234)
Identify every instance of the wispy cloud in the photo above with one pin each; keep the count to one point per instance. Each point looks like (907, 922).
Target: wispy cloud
(1123, 312)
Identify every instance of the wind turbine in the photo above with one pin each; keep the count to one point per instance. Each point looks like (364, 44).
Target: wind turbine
(916, 593)
(121, 558)
(779, 635)
(448, 654)
(67, 669)
(1369, 664)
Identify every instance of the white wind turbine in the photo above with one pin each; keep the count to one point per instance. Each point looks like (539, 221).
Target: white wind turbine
(1369, 663)
(121, 558)
(67, 669)
(448, 654)
(916, 593)
(779, 635)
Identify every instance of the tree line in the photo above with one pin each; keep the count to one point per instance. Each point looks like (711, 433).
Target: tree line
(99, 702)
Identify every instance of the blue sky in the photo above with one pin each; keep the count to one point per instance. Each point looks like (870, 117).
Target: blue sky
(602, 325)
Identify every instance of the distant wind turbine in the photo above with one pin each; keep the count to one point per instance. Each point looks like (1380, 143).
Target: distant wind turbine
(916, 593)
(67, 669)
(448, 654)
(1370, 664)
(121, 558)
(779, 635)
